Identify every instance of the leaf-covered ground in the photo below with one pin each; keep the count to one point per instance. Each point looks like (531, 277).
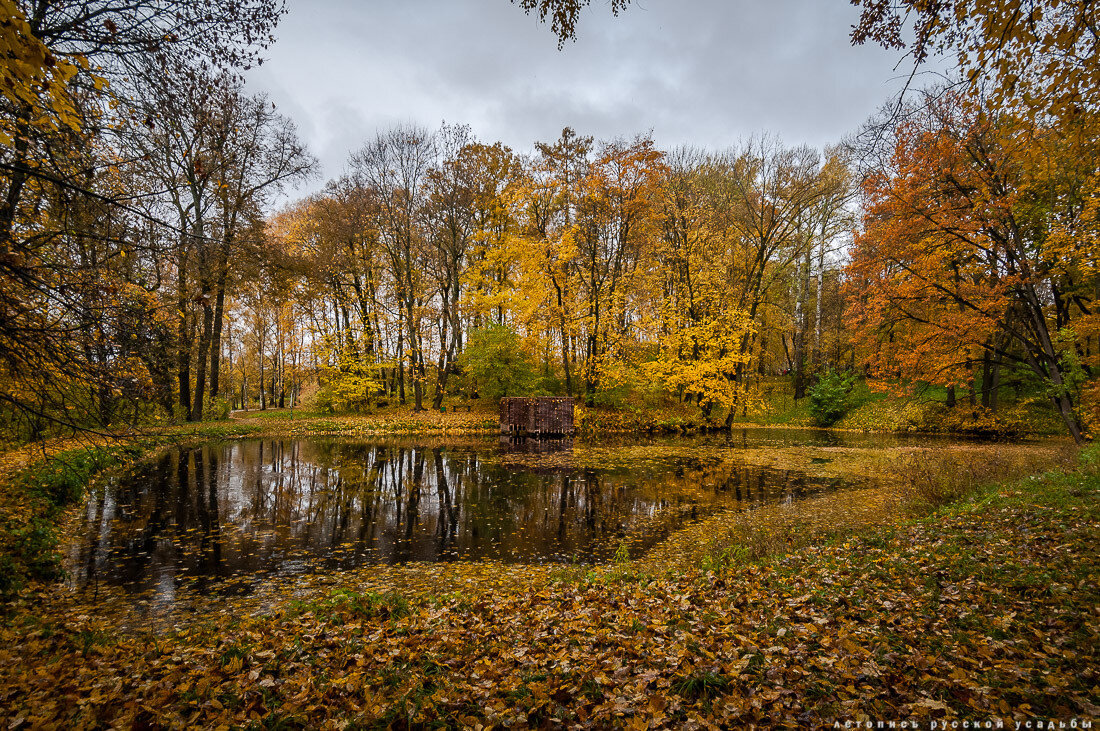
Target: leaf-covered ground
(989, 610)
(395, 420)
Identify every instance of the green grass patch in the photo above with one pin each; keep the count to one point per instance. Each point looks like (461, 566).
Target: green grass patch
(342, 603)
(33, 500)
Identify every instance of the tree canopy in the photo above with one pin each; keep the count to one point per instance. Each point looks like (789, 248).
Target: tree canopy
(564, 14)
(144, 278)
(1038, 54)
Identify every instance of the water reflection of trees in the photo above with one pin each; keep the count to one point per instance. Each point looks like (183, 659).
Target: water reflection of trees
(279, 506)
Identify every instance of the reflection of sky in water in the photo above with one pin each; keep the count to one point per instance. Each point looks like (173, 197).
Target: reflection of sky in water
(222, 517)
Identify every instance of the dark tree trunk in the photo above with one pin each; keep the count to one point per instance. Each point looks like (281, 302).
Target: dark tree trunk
(995, 385)
(204, 353)
(416, 357)
(183, 345)
(216, 340)
(987, 371)
(799, 359)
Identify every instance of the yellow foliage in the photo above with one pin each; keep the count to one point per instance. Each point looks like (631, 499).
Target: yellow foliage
(702, 358)
(34, 79)
(349, 379)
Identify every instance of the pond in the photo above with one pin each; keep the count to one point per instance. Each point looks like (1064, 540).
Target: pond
(230, 515)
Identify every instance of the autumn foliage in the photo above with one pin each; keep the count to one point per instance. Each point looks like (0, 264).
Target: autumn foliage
(622, 269)
(962, 267)
(146, 279)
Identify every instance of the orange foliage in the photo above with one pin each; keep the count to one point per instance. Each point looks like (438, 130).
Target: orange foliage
(970, 251)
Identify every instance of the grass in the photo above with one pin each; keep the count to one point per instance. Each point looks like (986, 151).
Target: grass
(280, 414)
(906, 483)
(929, 482)
(706, 684)
(389, 420)
(361, 604)
(32, 499)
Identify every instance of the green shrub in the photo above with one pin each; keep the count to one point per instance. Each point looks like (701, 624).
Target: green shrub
(215, 409)
(830, 397)
(1089, 457)
(611, 397)
(496, 365)
(549, 385)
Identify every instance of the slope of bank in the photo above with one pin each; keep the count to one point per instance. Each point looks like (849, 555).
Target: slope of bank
(985, 610)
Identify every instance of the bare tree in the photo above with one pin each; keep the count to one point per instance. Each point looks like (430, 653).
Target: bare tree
(395, 165)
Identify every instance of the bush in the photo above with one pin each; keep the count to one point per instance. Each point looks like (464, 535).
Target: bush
(496, 364)
(216, 409)
(830, 397)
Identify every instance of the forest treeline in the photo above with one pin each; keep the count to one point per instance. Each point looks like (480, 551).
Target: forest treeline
(143, 276)
(586, 268)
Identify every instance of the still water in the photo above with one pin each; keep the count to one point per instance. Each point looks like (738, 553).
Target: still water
(230, 514)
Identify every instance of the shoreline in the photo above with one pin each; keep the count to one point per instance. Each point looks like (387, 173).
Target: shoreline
(756, 629)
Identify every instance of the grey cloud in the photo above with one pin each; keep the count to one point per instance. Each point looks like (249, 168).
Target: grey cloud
(703, 72)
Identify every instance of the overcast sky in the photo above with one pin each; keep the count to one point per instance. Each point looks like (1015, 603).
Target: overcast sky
(702, 72)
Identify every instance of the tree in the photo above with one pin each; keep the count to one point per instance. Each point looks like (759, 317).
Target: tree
(699, 322)
(76, 252)
(216, 154)
(732, 272)
(497, 364)
(955, 266)
(53, 47)
(763, 193)
(615, 216)
(551, 195)
(451, 188)
(564, 14)
(1038, 54)
(825, 222)
(394, 166)
(493, 271)
(33, 81)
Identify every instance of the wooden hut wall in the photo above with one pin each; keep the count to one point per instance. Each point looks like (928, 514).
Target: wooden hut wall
(538, 416)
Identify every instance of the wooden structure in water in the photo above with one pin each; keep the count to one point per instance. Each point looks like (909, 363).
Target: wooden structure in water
(536, 416)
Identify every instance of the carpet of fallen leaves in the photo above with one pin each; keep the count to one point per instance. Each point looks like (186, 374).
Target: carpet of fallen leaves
(395, 420)
(990, 610)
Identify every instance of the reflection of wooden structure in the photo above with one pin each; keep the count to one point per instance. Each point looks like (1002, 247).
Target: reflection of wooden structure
(538, 416)
(534, 445)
